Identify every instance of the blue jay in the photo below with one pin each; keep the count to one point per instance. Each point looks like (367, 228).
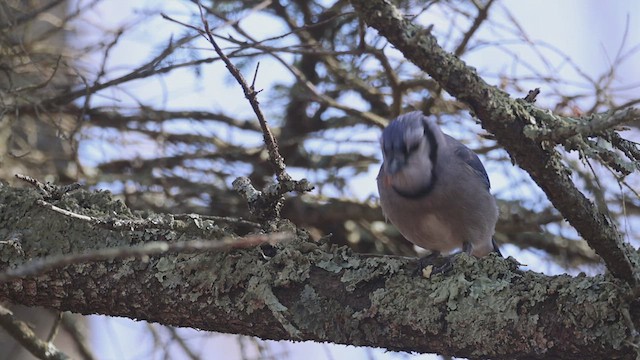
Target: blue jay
(434, 189)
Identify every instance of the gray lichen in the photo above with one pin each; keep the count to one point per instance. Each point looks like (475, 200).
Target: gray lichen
(309, 290)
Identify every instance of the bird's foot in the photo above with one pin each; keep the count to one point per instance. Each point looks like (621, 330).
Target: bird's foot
(434, 264)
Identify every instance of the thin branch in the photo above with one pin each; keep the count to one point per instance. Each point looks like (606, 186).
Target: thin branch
(115, 119)
(23, 334)
(48, 190)
(628, 147)
(56, 326)
(41, 85)
(370, 117)
(66, 212)
(532, 95)
(255, 76)
(148, 69)
(319, 95)
(113, 223)
(482, 16)
(226, 219)
(563, 128)
(43, 265)
(265, 207)
(71, 327)
(189, 353)
(249, 92)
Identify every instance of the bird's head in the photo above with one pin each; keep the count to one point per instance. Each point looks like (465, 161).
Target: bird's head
(409, 149)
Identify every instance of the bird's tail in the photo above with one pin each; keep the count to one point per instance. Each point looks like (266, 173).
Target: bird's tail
(496, 249)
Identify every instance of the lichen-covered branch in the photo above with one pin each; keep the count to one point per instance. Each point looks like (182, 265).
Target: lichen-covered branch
(266, 204)
(560, 128)
(506, 118)
(312, 291)
(43, 265)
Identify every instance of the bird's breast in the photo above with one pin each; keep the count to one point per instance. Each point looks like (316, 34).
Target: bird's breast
(419, 222)
(428, 231)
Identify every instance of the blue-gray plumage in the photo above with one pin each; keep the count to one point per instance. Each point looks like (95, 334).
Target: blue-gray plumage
(434, 189)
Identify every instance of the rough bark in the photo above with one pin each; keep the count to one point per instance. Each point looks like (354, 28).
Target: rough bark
(310, 291)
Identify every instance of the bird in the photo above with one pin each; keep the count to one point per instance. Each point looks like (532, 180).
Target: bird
(435, 190)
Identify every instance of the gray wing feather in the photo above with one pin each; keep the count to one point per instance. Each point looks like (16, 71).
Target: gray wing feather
(471, 159)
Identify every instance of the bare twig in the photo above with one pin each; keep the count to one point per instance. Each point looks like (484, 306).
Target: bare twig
(14, 239)
(148, 69)
(319, 95)
(23, 334)
(271, 202)
(225, 219)
(189, 353)
(332, 64)
(71, 327)
(272, 146)
(47, 190)
(255, 76)
(56, 326)
(482, 16)
(43, 265)
(66, 212)
(531, 96)
(42, 188)
(113, 223)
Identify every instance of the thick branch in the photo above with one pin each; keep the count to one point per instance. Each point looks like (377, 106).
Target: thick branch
(506, 118)
(309, 291)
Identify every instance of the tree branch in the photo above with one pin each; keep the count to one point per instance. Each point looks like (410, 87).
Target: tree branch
(44, 265)
(506, 118)
(25, 336)
(560, 128)
(312, 291)
(252, 95)
(483, 12)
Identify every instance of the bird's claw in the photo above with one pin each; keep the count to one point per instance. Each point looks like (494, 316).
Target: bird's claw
(434, 264)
